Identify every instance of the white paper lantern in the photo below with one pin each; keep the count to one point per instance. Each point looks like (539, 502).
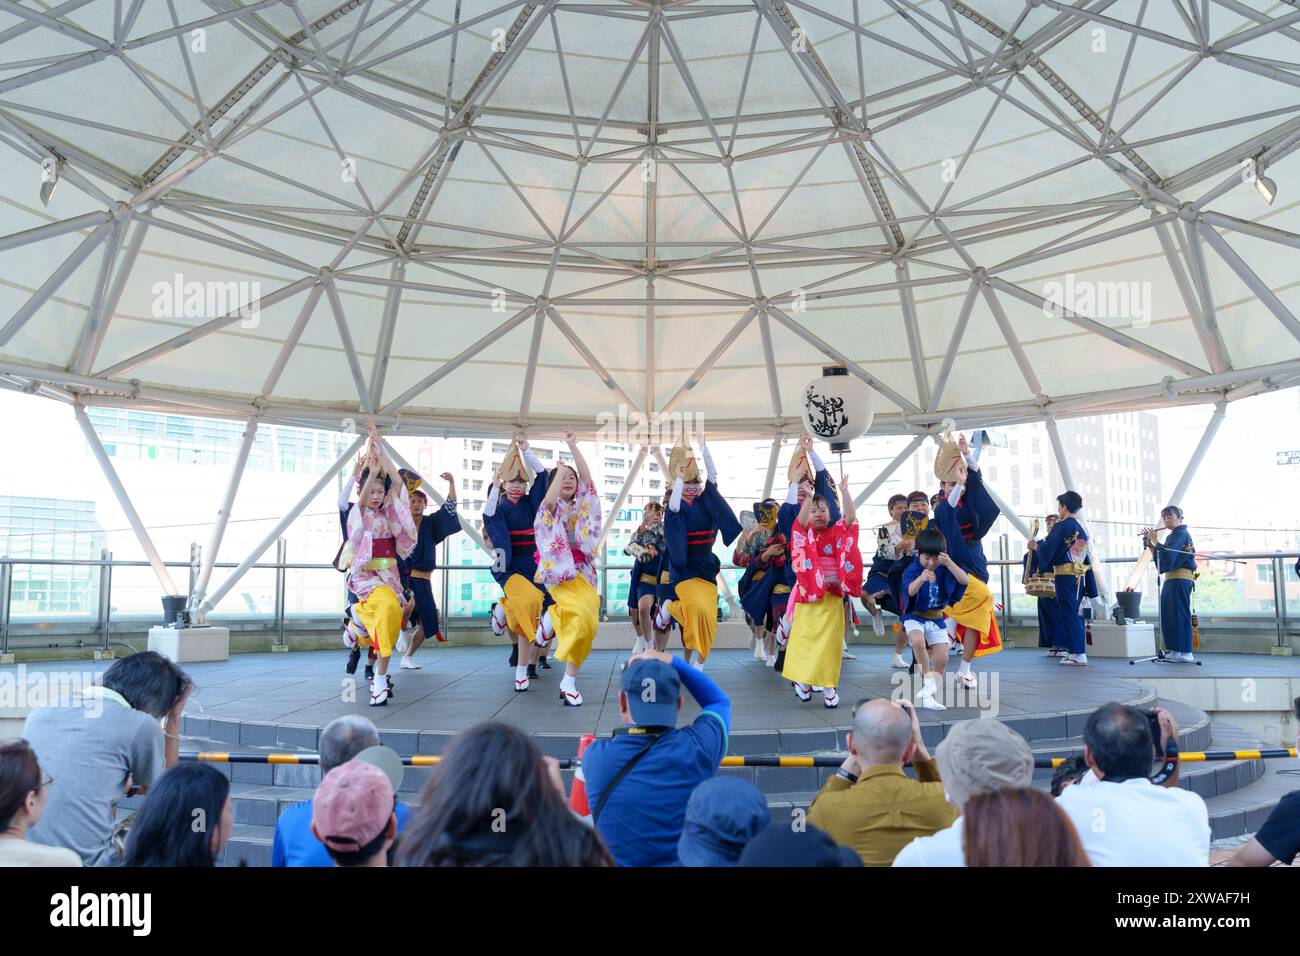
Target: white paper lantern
(837, 407)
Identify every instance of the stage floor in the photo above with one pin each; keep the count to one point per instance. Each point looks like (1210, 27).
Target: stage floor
(460, 686)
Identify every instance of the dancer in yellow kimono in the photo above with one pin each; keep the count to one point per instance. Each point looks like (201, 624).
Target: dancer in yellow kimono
(567, 530)
(827, 568)
(380, 530)
(696, 513)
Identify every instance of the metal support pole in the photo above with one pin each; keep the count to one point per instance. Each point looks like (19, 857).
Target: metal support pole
(223, 515)
(438, 500)
(1193, 463)
(1004, 552)
(445, 618)
(196, 560)
(1279, 601)
(771, 467)
(281, 549)
(105, 611)
(888, 470)
(211, 600)
(6, 582)
(620, 500)
(92, 439)
(1016, 521)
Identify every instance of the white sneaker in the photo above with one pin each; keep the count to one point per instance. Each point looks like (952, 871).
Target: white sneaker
(830, 698)
(803, 692)
(897, 662)
(771, 660)
(968, 680)
(498, 619)
(639, 646)
(408, 664)
(929, 703)
(846, 655)
(760, 653)
(698, 665)
(1076, 660)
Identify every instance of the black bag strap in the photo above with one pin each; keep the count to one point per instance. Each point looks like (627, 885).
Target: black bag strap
(623, 772)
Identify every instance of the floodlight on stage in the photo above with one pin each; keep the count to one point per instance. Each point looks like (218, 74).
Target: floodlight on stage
(1266, 188)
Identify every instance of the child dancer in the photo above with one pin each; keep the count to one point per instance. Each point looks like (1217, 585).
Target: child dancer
(647, 550)
(931, 582)
(827, 567)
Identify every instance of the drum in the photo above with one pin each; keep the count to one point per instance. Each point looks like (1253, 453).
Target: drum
(1041, 586)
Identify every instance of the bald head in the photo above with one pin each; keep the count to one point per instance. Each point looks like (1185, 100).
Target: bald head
(881, 733)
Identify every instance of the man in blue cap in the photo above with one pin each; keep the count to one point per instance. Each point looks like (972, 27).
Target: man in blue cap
(640, 781)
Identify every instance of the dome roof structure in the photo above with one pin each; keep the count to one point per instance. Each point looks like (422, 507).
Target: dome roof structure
(465, 217)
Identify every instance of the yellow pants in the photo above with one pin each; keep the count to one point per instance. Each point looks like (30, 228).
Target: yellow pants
(696, 610)
(974, 610)
(816, 646)
(575, 614)
(381, 614)
(523, 605)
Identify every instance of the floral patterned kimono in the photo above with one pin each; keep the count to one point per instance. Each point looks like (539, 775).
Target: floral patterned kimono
(827, 566)
(376, 539)
(567, 534)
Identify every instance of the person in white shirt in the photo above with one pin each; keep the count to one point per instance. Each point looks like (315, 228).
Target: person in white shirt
(1123, 819)
(977, 756)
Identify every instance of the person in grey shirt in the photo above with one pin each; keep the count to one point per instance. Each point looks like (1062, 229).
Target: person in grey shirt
(103, 745)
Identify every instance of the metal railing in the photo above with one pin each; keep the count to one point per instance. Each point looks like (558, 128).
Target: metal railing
(1279, 561)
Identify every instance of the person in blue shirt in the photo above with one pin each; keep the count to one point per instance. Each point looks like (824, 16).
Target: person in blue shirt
(1064, 554)
(1175, 560)
(351, 737)
(418, 567)
(640, 782)
(931, 582)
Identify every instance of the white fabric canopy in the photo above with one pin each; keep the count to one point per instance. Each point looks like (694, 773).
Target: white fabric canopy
(471, 216)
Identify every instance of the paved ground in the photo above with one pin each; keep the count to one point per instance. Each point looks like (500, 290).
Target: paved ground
(458, 687)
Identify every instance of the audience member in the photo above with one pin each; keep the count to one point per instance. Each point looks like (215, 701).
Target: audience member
(976, 757)
(722, 816)
(350, 737)
(354, 814)
(639, 782)
(1278, 840)
(785, 846)
(102, 745)
(1123, 819)
(185, 821)
(1019, 826)
(870, 804)
(494, 800)
(24, 790)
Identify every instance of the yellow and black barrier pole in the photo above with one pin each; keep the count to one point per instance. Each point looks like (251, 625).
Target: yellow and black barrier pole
(824, 760)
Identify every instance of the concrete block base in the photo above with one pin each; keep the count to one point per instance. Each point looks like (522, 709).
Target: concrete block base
(189, 644)
(1127, 640)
